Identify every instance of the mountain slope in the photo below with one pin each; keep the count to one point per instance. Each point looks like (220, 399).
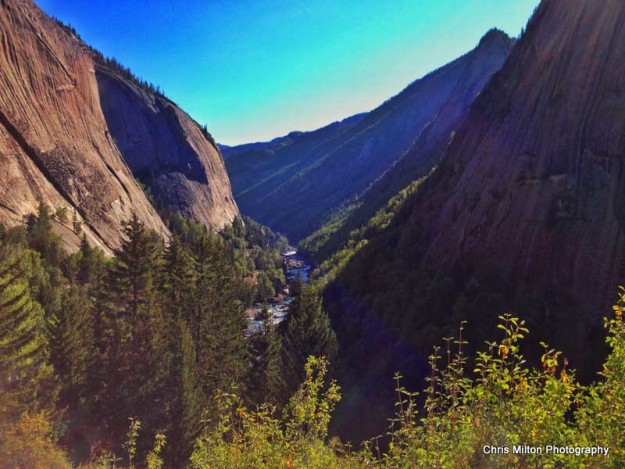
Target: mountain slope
(256, 169)
(56, 145)
(523, 214)
(424, 153)
(294, 188)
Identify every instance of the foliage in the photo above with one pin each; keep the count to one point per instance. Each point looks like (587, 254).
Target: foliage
(259, 439)
(29, 443)
(266, 377)
(334, 246)
(151, 334)
(253, 250)
(502, 403)
(256, 253)
(307, 332)
(25, 372)
(156, 334)
(602, 412)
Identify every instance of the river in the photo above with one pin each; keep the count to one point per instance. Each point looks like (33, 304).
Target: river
(278, 307)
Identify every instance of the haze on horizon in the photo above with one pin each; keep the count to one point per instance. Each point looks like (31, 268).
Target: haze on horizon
(252, 70)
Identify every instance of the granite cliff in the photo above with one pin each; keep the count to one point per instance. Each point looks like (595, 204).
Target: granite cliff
(72, 140)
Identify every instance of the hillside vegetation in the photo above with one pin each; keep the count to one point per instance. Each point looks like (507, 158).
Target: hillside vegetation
(91, 344)
(501, 403)
(299, 182)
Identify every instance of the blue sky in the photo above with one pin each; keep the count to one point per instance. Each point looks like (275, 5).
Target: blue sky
(256, 69)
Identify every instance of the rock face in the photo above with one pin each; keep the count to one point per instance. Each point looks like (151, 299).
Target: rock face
(311, 175)
(524, 214)
(56, 145)
(167, 151)
(537, 168)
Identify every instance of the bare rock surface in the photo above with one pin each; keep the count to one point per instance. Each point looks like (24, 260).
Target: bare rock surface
(524, 214)
(56, 146)
(537, 170)
(167, 151)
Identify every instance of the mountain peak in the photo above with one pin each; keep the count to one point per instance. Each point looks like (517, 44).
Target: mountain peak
(492, 36)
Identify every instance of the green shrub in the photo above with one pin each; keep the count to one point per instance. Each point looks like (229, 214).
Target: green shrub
(258, 439)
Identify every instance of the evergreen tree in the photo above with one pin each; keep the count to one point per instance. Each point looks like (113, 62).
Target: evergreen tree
(76, 354)
(218, 321)
(40, 236)
(307, 332)
(178, 278)
(265, 379)
(142, 355)
(93, 280)
(26, 379)
(91, 263)
(189, 402)
(136, 268)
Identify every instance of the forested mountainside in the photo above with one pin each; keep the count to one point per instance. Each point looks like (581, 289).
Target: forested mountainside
(311, 175)
(78, 132)
(92, 344)
(140, 361)
(523, 214)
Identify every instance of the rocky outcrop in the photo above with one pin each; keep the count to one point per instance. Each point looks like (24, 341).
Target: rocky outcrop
(56, 145)
(537, 171)
(311, 176)
(167, 151)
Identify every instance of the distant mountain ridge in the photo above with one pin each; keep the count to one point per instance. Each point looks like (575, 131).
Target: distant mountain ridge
(78, 135)
(296, 185)
(278, 142)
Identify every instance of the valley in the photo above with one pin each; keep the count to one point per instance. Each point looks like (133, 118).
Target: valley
(400, 287)
(277, 308)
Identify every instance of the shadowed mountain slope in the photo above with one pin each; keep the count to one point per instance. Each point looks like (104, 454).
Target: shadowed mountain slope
(424, 153)
(295, 185)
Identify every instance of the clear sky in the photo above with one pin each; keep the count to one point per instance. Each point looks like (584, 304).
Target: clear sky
(256, 69)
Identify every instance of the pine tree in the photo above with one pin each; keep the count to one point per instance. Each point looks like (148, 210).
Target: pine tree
(76, 354)
(91, 262)
(26, 378)
(265, 379)
(142, 355)
(40, 236)
(178, 278)
(189, 402)
(218, 322)
(94, 273)
(137, 267)
(307, 332)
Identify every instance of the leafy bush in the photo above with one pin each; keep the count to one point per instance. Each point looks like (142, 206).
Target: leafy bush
(259, 439)
(28, 443)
